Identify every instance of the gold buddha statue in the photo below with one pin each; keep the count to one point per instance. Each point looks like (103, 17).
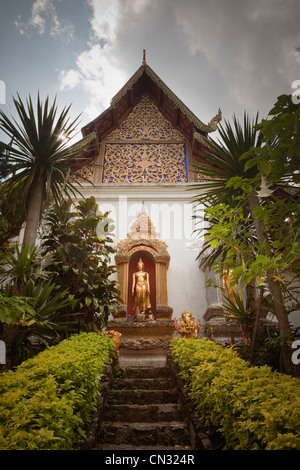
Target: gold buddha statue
(141, 289)
(187, 327)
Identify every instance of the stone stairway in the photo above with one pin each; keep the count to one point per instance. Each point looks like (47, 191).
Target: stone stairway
(143, 412)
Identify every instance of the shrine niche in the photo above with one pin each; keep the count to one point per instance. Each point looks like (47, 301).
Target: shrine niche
(142, 243)
(141, 317)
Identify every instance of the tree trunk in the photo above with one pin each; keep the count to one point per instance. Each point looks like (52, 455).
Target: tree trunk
(255, 329)
(34, 211)
(275, 290)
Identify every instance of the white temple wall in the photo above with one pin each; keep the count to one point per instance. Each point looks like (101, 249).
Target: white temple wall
(170, 210)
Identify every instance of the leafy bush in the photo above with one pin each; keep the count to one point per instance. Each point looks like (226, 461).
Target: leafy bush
(28, 324)
(79, 248)
(252, 407)
(47, 402)
(30, 305)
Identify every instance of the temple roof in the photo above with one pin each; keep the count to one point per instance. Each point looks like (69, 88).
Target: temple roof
(145, 80)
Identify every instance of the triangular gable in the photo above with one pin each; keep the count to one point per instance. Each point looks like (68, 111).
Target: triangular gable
(176, 124)
(145, 69)
(145, 148)
(145, 122)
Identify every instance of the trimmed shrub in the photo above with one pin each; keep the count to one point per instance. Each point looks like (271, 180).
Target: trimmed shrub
(251, 407)
(47, 401)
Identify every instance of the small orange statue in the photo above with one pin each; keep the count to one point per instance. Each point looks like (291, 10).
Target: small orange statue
(187, 327)
(116, 337)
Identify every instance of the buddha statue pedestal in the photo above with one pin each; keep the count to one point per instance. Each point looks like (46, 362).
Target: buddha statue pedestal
(144, 342)
(144, 318)
(140, 317)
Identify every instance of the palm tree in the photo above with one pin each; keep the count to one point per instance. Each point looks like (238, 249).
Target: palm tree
(225, 163)
(5, 168)
(41, 159)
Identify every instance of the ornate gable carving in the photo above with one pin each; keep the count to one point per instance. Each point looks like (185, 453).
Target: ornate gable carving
(146, 122)
(145, 148)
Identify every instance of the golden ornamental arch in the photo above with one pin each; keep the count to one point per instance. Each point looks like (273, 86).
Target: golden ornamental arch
(139, 241)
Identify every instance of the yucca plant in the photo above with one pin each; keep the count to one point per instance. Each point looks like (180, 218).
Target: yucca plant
(13, 308)
(221, 165)
(18, 265)
(41, 158)
(5, 167)
(235, 177)
(240, 312)
(224, 162)
(30, 322)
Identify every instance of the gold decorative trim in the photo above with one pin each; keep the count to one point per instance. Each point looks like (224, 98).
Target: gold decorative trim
(145, 148)
(157, 248)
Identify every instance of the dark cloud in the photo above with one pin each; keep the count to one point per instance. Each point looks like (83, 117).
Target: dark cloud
(222, 52)
(233, 54)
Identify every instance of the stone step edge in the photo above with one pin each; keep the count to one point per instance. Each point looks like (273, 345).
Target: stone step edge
(142, 407)
(151, 413)
(104, 446)
(169, 390)
(141, 426)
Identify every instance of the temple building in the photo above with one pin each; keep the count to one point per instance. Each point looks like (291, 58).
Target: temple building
(142, 169)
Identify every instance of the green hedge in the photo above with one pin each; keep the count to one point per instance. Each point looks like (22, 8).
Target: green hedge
(252, 407)
(48, 400)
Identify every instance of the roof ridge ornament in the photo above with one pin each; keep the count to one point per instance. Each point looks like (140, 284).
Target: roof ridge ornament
(213, 123)
(144, 63)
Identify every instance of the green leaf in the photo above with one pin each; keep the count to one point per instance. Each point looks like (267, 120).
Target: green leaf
(250, 163)
(266, 167)
(237, 271)
(214, 243)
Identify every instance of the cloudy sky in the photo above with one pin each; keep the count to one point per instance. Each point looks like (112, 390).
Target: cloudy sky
(234, 54)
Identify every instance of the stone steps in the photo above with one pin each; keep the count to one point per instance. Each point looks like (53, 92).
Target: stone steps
(153, 383)
(140, 397)
(137, 434)
(143, 413)
(120, 447)
(145, 372)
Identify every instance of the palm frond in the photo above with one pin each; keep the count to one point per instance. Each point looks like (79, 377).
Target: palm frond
(37, 151)
(224, 161)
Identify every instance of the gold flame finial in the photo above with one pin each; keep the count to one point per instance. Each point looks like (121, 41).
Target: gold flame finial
(144, 57)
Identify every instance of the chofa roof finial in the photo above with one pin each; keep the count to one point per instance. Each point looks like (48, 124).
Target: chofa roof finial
(144, 58)
(213, 123)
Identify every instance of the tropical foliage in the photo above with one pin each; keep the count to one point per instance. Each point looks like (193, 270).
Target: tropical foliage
(5, 167)
(19, 265)
(46, 403)
(11, 221)
(247, 408)
(41, 160)
(66, 289)
(251, 233)
(36, 172)
(80, 260)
